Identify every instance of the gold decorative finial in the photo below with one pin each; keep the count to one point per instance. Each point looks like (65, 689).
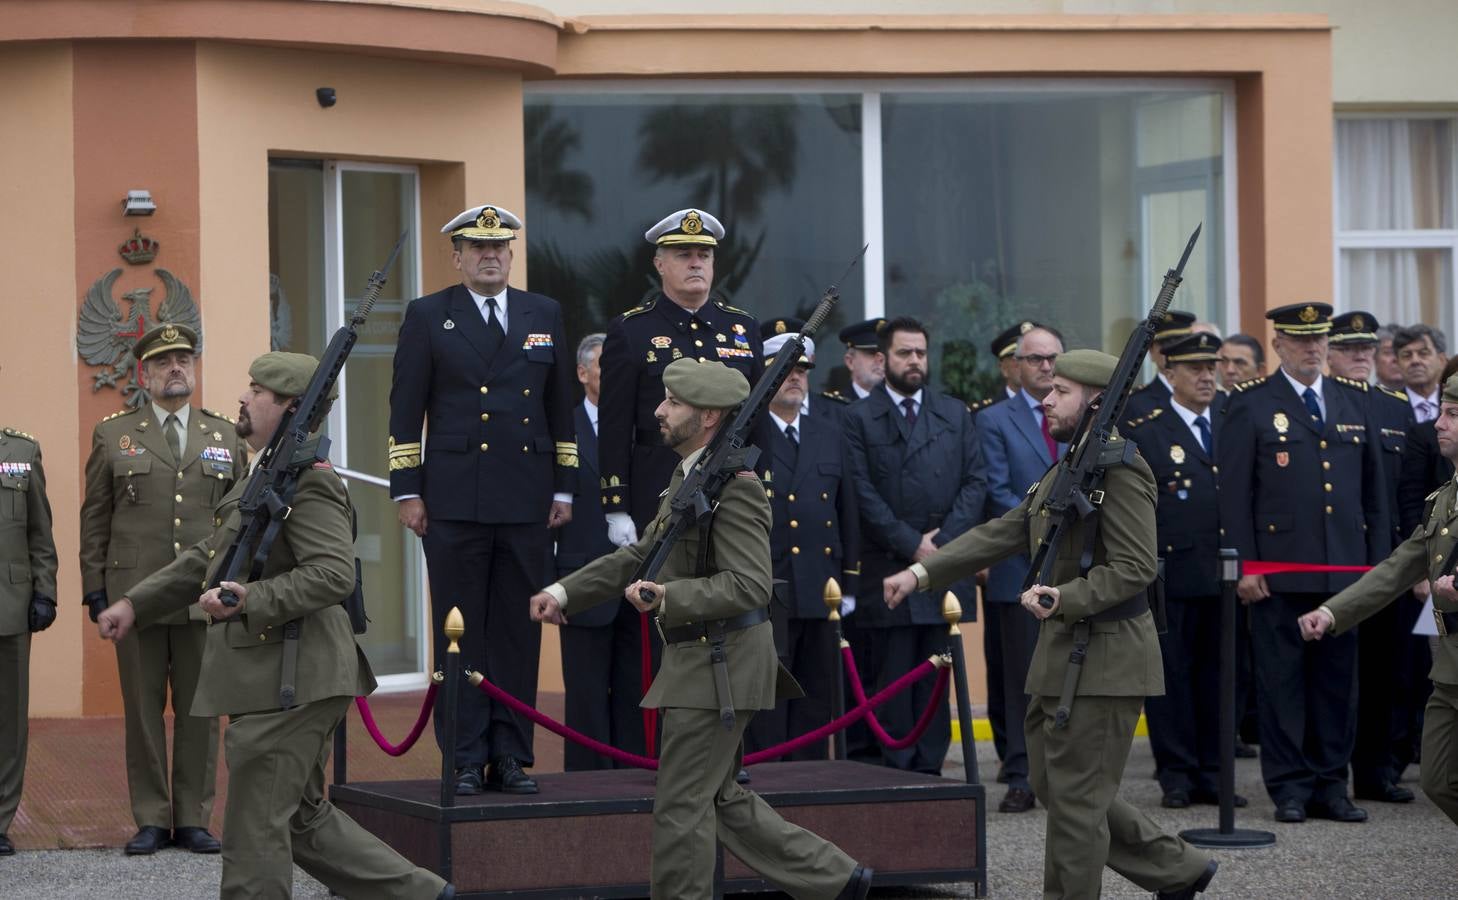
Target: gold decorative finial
(832, 599)
(475, 678)
(952, 612)
(455, 627)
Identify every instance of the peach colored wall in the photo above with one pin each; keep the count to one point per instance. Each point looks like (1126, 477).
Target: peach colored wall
(37, 342)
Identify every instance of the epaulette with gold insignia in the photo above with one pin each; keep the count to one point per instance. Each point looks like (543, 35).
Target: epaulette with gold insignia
(837, 396)
(15, 432)
(1251, 382)
(218, 415)
(1433, 496)
(719, 302)
(1400, 395)
(119, 413)
(1353, 383)
(1147, 417)
(639, 309)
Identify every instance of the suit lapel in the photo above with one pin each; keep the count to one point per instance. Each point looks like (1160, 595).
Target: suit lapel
(921, 435)
(1026, 422)
(1295, 408)
(586, 447)
(519, 316)
(465, 320)
(148, 434)
(885, 408)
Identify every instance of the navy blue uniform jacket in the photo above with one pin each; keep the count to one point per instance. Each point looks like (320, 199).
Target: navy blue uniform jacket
(1187, 517)
(584, 538)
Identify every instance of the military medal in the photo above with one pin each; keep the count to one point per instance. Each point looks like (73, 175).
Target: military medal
(652, 357)
(1176, 454)
(1283, 458)
(449, 324)
(677, 354)
(662, 342)
(124, 442)
(720, 337)
(738, 328)
(1280, 422)
(217, 435)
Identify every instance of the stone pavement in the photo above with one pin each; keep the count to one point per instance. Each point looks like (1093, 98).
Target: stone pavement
(1403, 851)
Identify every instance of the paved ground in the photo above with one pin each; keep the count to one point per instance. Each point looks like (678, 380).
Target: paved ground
(1403, 851)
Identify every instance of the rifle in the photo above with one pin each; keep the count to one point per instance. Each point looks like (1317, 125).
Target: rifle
(266, 499)
(729, 451)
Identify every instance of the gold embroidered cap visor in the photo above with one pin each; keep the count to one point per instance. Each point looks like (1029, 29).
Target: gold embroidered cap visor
(1301, 318)
(484, 223)
(165, 337)
(286, 374)
(687, 226)
(1089, 367)
(707, 384)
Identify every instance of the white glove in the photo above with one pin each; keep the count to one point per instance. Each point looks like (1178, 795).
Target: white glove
(847, 605)
(620, 529)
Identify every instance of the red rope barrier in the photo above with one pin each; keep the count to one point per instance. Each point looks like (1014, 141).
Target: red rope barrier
(939, 693)
(650, 716)
(415, 731)
(1262, 567)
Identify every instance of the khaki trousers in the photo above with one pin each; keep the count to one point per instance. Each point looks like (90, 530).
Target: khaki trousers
(1440, 749)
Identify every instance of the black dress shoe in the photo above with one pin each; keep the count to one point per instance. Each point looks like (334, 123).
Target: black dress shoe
(1244, 750)
(6, 848)
(858, 886)
(1212, 798)
(1386, 793)
(196, 840)
(1179, 798)
(1339, 810)
(1291, 811)
(1189, 892)
(468, 781)
(506, 776)
(148, 840)
(1016, 800)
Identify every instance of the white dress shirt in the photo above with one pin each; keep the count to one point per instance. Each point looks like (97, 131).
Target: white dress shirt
(1300, 389)
(1189, 416)
(486, 310)
(897, 397)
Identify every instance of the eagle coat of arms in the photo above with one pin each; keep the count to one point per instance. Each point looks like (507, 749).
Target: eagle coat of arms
(105, 337)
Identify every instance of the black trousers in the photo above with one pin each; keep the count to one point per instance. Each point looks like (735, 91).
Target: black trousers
(603, 677)
(489, 572)
(992, 657)
(1014, 632)
(1389, 698)
(1307, 698)
(1184, 724)
(894, 652)
(811, 652)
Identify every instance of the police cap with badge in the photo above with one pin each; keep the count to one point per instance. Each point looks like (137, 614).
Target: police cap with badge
(1006, 342)
(483, 223)
(1301, 319)
(863, 335)
(1355, 328)
(1176, 324)
(1192, 348)
(778, 332)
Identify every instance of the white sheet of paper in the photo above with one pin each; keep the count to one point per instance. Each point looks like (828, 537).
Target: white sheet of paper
(1426, 625)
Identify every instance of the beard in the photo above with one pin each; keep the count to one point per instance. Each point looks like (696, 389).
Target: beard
(244, 426)
(687, 431)
(907, 383)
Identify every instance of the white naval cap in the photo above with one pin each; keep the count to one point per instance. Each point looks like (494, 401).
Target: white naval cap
(484, 223)
(687, 226)
(807, 356)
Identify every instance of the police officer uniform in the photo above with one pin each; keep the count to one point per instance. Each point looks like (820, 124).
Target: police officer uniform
(499, 452)
(1003, 347)
(855, 336)
(27, 604)
(276, 813)
(829, 404)
(1178, 444)
(1300, 483)
(143, 505)
(725, 605)
(814, 537)
(640, 344)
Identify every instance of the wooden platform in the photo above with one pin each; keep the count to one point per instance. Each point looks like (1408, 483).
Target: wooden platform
(912, 829)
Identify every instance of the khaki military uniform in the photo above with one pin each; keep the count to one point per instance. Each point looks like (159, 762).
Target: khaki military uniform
(697, 798)
(1423, 555)
(276, 756)
(141, 508)
(1075, 770)
(28, 557)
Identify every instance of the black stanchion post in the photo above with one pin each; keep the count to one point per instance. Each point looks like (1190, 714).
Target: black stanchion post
(952, 612)
(341, 748)
(1227, 836)
(455, 627)
(837, 694)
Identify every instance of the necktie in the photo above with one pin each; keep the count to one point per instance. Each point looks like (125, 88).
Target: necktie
(909, 405)
(495, 334)
(1048, 439)
(1202, 425)
(1309, 397)
(794, 440)
(174, 440)
(1425, 411)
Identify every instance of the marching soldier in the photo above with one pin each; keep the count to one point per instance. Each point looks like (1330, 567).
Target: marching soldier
(706, 706)
(489, 367)
(154, 475)
(683, 320)
(1075, 768)
(27, 605)
(1426, 554)
(277, 748)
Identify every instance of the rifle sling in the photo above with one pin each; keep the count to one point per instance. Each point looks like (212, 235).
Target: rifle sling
(289, 668)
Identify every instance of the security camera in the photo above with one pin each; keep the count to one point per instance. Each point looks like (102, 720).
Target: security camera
(326, 97)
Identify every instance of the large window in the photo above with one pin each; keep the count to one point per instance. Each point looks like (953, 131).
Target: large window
(1397, 238)
(982, 202)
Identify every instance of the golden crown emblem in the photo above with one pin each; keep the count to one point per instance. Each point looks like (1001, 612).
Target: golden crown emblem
(1025, 328)
(1308, 315)
(1358, 323)
(139, 249)
(692, 224)
(488, 219)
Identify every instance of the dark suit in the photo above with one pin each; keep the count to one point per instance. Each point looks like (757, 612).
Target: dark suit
(1424, 470)
(1155, 395)
(500, 445)
(908, 481)
(1295, 491)
(814, 536)
(1015, 456)
(602, 647)
(1183, 724)
(640, 343)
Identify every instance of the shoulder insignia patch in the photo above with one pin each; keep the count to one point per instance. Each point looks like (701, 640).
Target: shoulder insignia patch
(1400, 395)
(118, 414)
(218, 415)
(1352, 383)
(15, 432)
(1147, 417)
(719, 302)
(637, 310)
(1252, 382)
(837, 396)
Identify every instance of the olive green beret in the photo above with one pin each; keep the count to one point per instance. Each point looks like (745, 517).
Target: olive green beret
(1089, 367)
(1450, 390)
(706, 384)
(286, 374)
(165, 337)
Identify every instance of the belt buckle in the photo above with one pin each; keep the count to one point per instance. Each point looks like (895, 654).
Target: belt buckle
(1442, 625)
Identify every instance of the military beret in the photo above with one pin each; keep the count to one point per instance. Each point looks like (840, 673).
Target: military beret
(687, 226)
(1450, 390)
(788, 325)
(165, 337)
(1301, 318)
(1356, 327)
(286, 374)
(705, 384)
(1201, 347)
(1177, 323)
(772, 346)
(862, 335)
(484, 223)
(1089, 367)
(1007, 340)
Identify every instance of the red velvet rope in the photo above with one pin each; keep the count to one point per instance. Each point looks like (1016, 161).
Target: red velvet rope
(415, 731)
(882, 735)
(650, 716)
(1262, 567)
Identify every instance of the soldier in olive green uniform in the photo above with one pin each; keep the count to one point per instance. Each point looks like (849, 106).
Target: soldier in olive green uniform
(726, 605)
(27, 603)
(276, 813)
(1076, 769)
(1426, 554)
(154, 475)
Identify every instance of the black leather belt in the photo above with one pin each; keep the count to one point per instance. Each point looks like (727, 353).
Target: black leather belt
(1134, 606)
(1447, 622)
(702, 631)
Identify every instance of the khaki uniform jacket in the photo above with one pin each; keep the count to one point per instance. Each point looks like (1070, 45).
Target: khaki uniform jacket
(309, 571)
(1423, 555)
(739, 581)
(1123, 657)
(142, 509)
(27, 552)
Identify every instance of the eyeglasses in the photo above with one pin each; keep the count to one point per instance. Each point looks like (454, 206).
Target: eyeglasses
(1038, 359)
